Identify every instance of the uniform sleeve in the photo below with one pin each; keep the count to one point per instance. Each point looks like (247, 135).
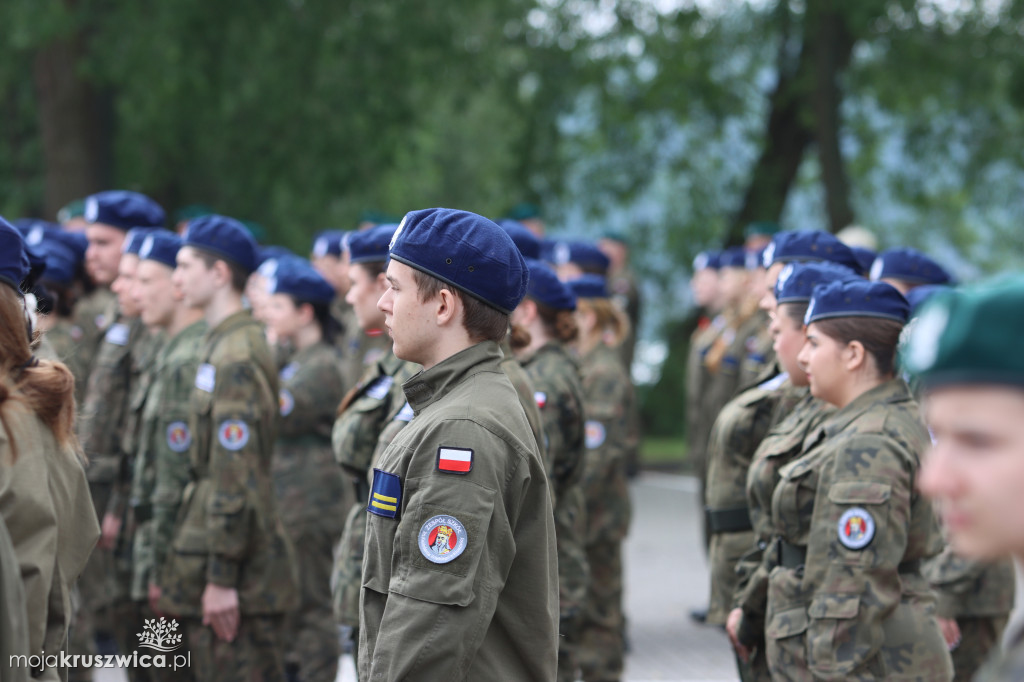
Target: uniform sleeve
(446, 607)
(859, 536)
(243, 435)
(27, 508)
(170, 453)
(309, 400)
(954, 580)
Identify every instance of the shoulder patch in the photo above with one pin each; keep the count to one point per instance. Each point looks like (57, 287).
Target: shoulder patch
(442, 539)
(288, 372)
(405, 414)
(286, 402)
(454, 460)
(179, 438)
(385, 494)
(541, 399)
(76, 333)
(233, 434)
(378, 390)
(856, 528)
(206, 377)
(117, 334)
(100, 321)
(594, 434)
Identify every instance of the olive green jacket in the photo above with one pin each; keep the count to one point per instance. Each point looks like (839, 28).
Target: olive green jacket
(485, 607)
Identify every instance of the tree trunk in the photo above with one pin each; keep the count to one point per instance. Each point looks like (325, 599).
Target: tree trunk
(70, 124)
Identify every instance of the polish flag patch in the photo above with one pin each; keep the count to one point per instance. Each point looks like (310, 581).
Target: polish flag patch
(454, 460)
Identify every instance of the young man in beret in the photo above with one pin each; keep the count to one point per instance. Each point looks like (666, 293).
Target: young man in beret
(965, 350)
(482, 605)
(230, 573)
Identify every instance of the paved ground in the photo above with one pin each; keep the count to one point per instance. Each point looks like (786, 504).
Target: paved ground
(666, 576)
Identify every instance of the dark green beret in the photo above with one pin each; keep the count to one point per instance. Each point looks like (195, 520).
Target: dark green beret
(765, 227)
(970, 336)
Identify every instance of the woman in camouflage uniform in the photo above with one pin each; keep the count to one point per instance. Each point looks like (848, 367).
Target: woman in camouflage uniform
(607, 400)
(547, 314)
(782, 443)
(847, 599)
(310, 490)
(376, 402)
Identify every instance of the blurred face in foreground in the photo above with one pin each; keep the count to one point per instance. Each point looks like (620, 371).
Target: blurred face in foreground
(155, 295)
(124, 285)
(975, 469)
(788, 340)
(363, 293)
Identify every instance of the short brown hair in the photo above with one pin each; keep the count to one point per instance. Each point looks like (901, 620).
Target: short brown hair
(794, 311)
(482, 322)
(879, 336)
(239, 277)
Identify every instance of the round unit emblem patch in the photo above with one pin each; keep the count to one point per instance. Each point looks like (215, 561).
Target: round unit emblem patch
(442, 539)
(287, 402)
(178, 436)
(856, 528)
(233, 434)
(594, 434)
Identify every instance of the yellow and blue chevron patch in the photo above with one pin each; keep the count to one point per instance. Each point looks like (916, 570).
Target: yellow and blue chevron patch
(385, 495)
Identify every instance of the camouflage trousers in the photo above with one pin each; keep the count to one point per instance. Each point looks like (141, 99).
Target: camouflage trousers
(255, 655)
(724, 554)
(573, 579)
(93, 614)
(756, 669)
(602, 642)
(347, 574)
(314, 644)
(979, 637)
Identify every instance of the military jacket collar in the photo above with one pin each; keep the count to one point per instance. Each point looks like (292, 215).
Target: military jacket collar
(432, 384)
(891, 392)
(549, 348)
(229, 324)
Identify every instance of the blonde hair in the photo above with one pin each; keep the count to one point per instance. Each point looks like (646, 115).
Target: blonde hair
(610, 320)
(42, 387)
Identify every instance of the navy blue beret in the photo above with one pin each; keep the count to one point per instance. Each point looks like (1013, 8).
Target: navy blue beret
(583, 254)
(329, 243)
(465, 250)
(526, 241)
(797, 281)
(857, 299)
(918, 296)
(123, 209)
(265, 253)
(14, 264)
(735, 257)
(370, 246)
(161, 246)
(63, 257)
(34, 230)
(755, 259)
(908, 265)
(298, 278)
(808, 245)
(865, 258)
(589, 286)
(707, 260)
(223, 237)
(268, 267)
(134, 238)
(546, 288)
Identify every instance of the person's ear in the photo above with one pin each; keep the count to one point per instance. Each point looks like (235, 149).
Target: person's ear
(855, 356)
(222, 273)
(447, 305)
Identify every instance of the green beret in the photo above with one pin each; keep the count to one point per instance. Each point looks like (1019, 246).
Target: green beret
(76, 209)
(764, 227)
(970, 336)
(523, 211)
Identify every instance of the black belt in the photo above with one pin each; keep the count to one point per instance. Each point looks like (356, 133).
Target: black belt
(143, 512)
(733, 520)
(795, 556)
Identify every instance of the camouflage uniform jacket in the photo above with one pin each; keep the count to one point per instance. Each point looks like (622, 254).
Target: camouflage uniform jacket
(970, 588)
(45, 504)
(162, 468)
(375, 403)
(738, 431)
(559, 396)
(93, 314)
(607, 398)
(857, 607)
(782, 444)
(1006, 664)
(524, 389)
(107, 401)
(738, 358)
(484, 604)
(66, 339)
(759, 358)
(626, 297)
(699, 418)
(229, 532)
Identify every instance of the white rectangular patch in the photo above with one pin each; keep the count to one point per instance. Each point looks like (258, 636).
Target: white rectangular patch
(206, 377)
(117, 334)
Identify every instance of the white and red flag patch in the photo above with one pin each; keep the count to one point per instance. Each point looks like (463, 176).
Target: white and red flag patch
(454, 460)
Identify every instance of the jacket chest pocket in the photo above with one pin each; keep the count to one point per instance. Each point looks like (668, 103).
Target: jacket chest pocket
(793, 501)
